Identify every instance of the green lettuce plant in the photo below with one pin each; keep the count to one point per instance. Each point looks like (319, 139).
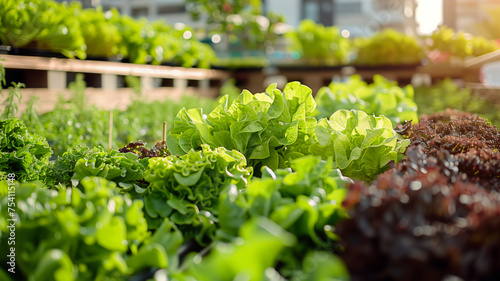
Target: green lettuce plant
(387, 47)
(459, 44)
(43, 24)
(23, 153)
(62, 169)
(121, 168)
(101, 36)
(268, 128)
(285, 197)
(362, 146)
(253, 256)
(304, 200)
(320, 45)
(382, 97)
(186, 189)
(77, 163)
(96, 233)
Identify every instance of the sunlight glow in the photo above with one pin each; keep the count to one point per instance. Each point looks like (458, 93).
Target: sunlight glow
(429, 15)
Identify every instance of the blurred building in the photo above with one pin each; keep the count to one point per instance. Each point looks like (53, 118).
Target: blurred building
(463, 14)
(359, 17)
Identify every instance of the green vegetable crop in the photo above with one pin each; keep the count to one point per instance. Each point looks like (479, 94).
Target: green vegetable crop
(320, 45)
(268, 128)
(305, 202)
(95, 233)
(362, 145)
(43, 24)
(383, 97)
(122, 168)
(21, 152)
(387, 47)
(186, 189)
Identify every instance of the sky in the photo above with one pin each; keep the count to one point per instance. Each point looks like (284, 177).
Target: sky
(429, 14)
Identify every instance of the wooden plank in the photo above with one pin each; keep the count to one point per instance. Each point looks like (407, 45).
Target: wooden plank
(442, 70)
(477, 62)
(107, 67)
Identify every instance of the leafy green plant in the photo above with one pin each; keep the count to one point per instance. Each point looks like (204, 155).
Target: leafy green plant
(459, 44)
(304, 201)
(62, 169)
(73, 122)
(320, 45)
(12, 100)
(253, 256)
(68, 29)
(121, 168)
(158, 42)
(387, 47)
(361, 145)
(23, 153)
(446, 94)
(45, 24)
(268, 128)
(81, 161)
(283, 196)
(96, 233)
(186, 189)
(383, 97)
(30, 115)
(101, 36)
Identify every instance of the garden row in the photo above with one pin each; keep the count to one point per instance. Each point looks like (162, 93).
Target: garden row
(278, 185)
(75, 122)
(76, 32)
(320, 45)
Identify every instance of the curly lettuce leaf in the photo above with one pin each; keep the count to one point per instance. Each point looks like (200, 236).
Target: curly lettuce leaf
(302, 201)
(121, 168)
(92, 233)
(269, 128)
(361, 145)
(382, 97)
(23, 153)
(186, 189)
(62, 169)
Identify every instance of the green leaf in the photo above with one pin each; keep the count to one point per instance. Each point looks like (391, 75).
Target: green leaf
(151, 255)
(362, 145)
(112, 236)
